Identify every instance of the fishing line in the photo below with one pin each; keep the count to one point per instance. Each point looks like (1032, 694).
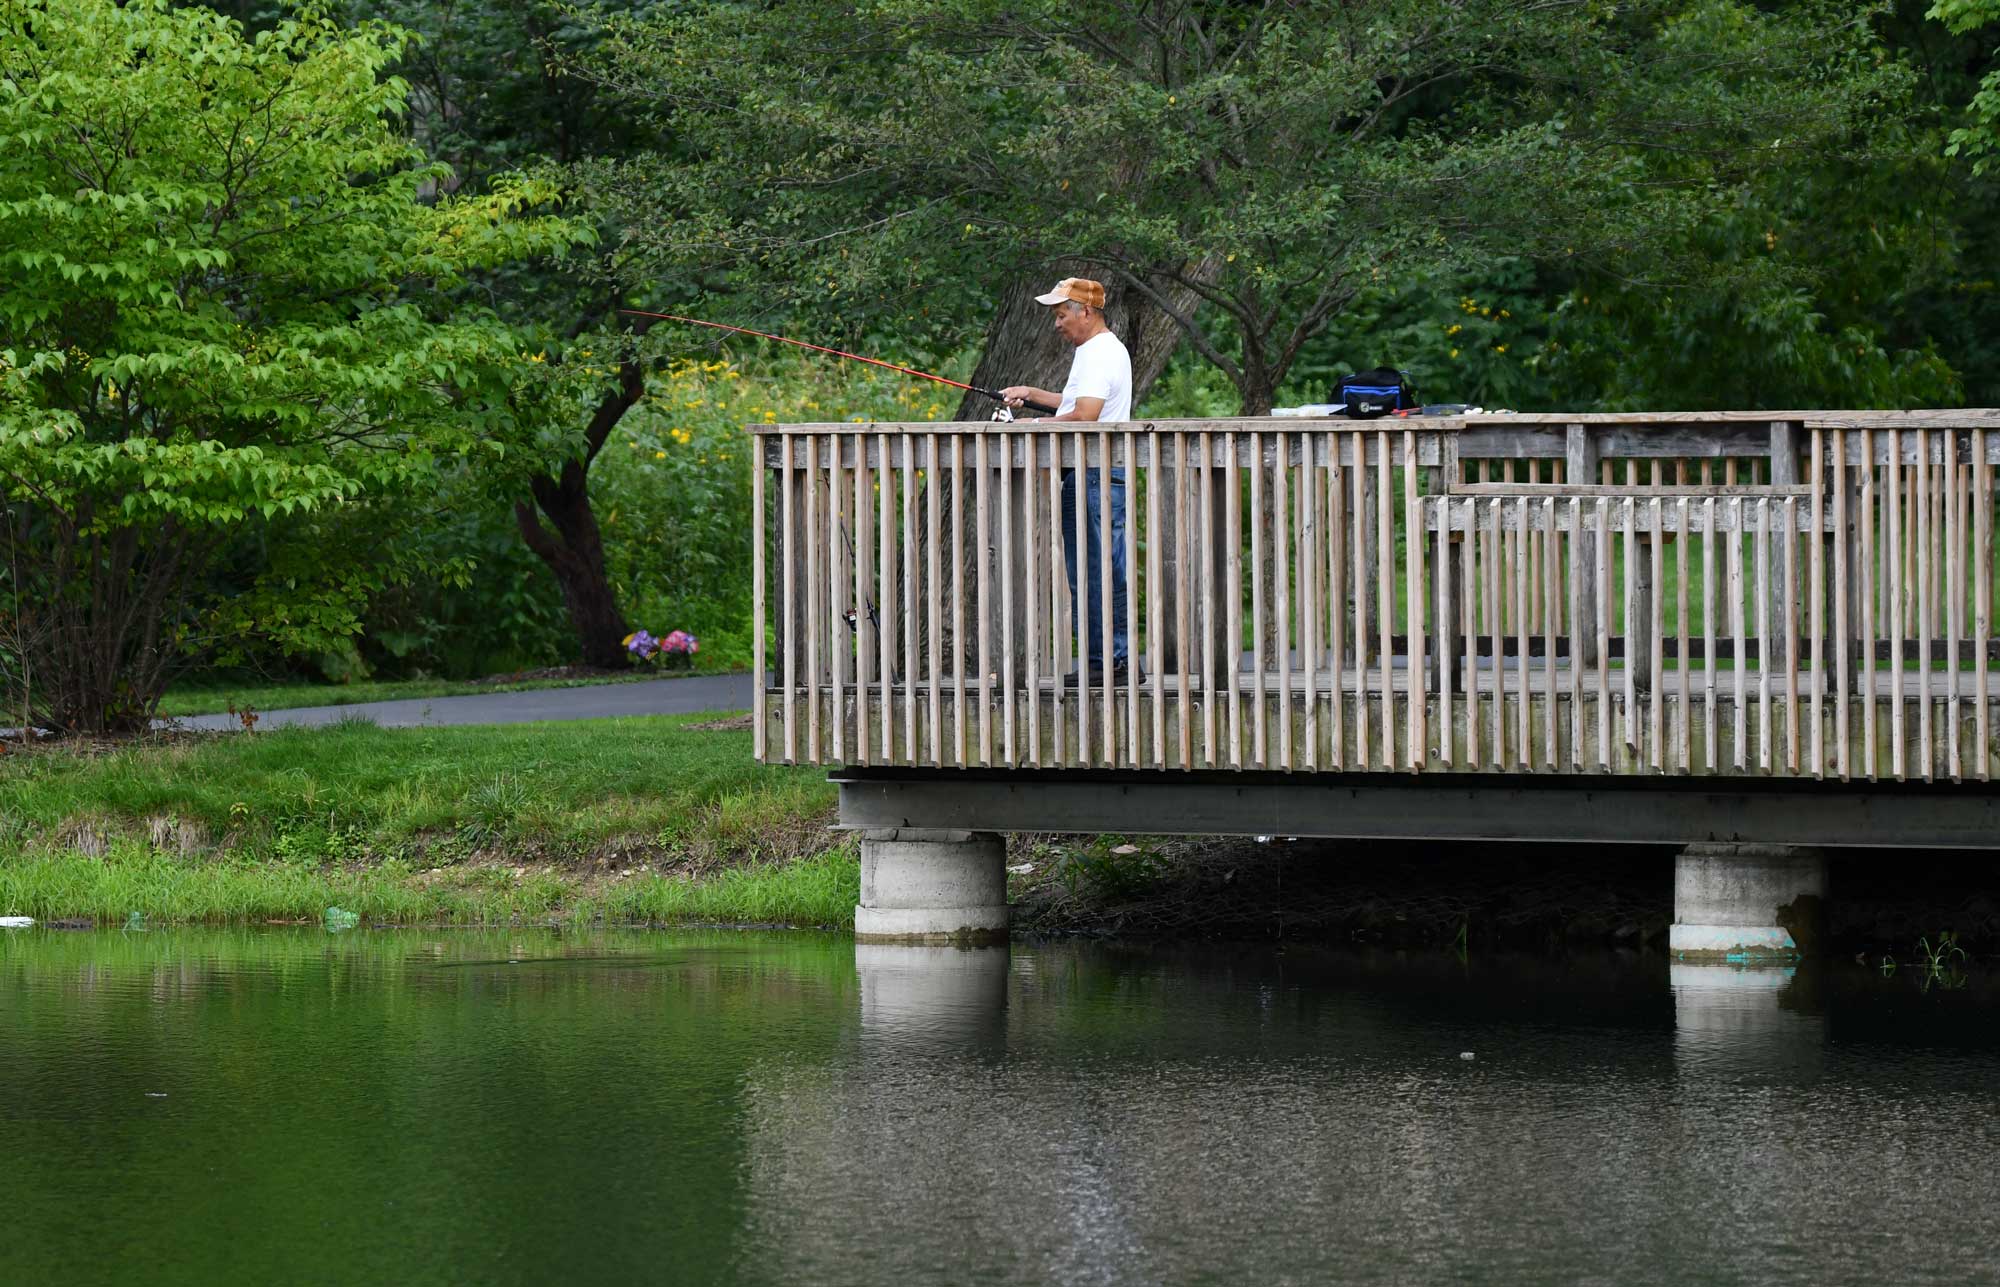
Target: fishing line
(821, 348)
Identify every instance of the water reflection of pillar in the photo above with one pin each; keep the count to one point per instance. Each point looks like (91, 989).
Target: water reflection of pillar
(933, 1000)
(1735, 1020)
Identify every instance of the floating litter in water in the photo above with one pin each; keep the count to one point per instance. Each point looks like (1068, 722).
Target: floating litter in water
(156, 1094)
(1465, 1054)
(17, 922)
(339, 918)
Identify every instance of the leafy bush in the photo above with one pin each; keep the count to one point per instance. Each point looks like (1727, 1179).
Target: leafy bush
(227, 285)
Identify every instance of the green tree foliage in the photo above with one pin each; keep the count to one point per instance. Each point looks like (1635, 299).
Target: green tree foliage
(1281, 160)
(1980, 135)
(224, 313)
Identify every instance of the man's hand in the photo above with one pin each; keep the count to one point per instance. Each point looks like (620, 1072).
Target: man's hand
(1015, 395)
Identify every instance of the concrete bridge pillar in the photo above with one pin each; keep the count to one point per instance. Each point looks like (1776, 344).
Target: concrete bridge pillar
(1746, 904)
(925, 886)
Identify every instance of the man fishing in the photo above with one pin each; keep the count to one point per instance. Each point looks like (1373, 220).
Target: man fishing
(1099, 388)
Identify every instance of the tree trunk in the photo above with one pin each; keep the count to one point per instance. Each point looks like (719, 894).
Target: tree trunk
(574, 551)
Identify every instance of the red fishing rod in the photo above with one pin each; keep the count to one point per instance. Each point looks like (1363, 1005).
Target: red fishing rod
(821, 348)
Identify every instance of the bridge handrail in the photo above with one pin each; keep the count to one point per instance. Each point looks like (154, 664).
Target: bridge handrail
(1482, 593)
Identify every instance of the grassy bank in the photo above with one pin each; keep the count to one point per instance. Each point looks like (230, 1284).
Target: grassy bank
(645, 819)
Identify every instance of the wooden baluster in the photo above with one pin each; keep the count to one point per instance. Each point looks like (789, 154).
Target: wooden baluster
(812, 542)
(983, 579)
(1107, 612)
(1033, 584)
(1740, 655)
(791, 610)
(1308, 511)
(1840, 605)
(908, 447)
(1792, 658)
(885, 591)
(1579, 628)
(1080, 599)
(1385, 607)
(1896, 584)
(1009, 748)
(1414, 537)
(840, 633)
(1211, 607)
(1183, 598)
(1816, 593)
(1982, 611)
(1155, 595)
(1233, 551)
(1925, 742)
(1184, 581)
(1523, 741)
(1472, 583)
(1336, 594)
(1132, 619)
(1656, 696)
(1600, 575)
(1447, 659)
(1636, 567)
(865, 618)
(760, 715)
(1864, 533)
(1765, 652)
(1954, 600)
(1711, 752)
(1259, 749)
(958, 508)
(1358, 496)
(1684, 741)
(1551, 753)
(1492, 556)
(1059, 620)
(1281, 595)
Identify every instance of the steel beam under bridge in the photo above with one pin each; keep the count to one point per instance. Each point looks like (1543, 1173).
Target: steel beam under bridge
(1674, 811)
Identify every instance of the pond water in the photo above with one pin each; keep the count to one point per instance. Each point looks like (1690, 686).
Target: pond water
(532, 1107)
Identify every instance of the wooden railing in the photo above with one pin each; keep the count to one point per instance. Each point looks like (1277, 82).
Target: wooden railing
(1785, 594)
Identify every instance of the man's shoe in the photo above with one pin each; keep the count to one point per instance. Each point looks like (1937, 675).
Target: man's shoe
(1121, 673)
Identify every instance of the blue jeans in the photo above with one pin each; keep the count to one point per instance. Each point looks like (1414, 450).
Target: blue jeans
(1093, 555)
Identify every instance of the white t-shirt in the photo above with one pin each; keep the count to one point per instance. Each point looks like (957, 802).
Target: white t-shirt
(1101, 369)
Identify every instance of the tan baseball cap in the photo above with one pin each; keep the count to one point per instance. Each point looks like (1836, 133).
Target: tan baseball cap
(1081, 289)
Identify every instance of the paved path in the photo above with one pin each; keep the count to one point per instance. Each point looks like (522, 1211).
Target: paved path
(595, 701)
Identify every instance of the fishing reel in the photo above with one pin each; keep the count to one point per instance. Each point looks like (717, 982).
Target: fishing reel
(1004, 414)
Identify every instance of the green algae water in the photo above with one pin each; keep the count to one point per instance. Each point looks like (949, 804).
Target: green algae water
(713, 1107)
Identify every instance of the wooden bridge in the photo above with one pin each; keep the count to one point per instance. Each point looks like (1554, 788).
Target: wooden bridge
(1748, 627)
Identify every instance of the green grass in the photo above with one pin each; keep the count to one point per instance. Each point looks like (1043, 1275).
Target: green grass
(206, 697)
(630, 819)
(820, 889)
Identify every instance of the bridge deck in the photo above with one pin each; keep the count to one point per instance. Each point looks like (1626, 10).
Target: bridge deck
(1562, 565)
